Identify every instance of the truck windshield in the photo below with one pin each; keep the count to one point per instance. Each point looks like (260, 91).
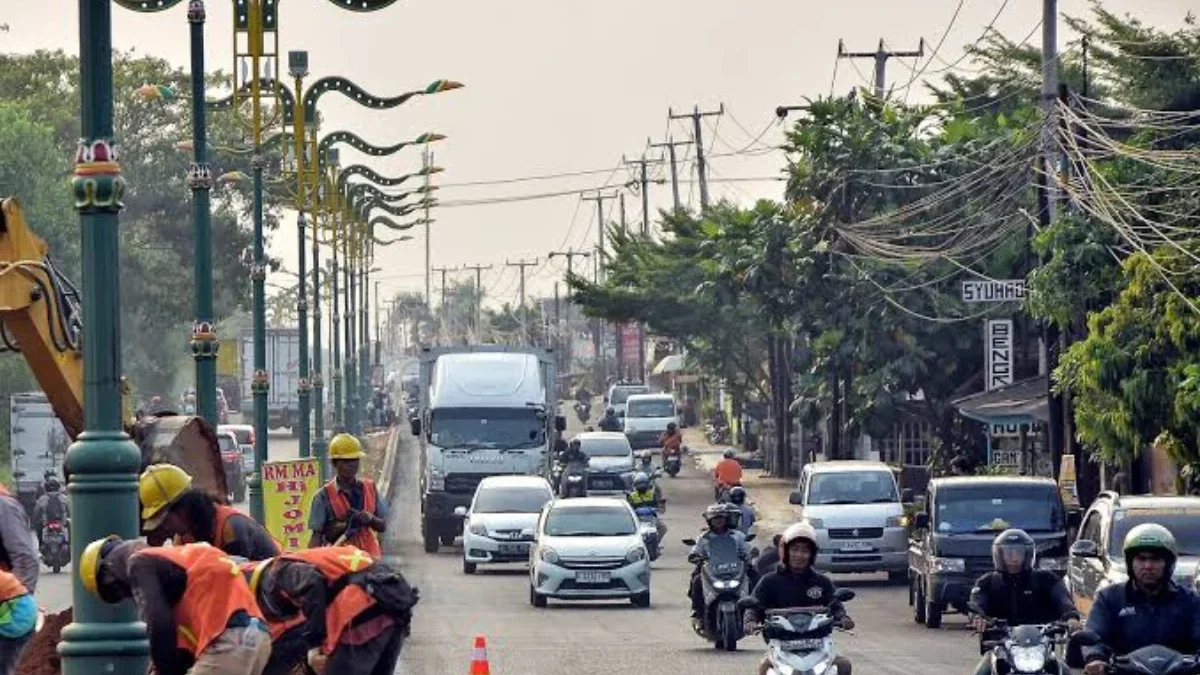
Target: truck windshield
(1184, 523)
(486, 428)
(852, 487)
(662, 407)
(988, 507)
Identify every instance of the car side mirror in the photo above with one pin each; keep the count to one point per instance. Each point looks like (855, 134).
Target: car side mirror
(843, 595)
(415, 423)
(1085, 548)
(560, 423)
(460, 511)
(906, 496)
(795, 497)
(689, 542)
(921, 521)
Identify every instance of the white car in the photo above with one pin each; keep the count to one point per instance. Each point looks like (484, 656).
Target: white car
(499, 525)
(610, 462)
(589, 548)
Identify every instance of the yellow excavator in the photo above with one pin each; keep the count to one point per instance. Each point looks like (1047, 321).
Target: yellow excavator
(40, 319)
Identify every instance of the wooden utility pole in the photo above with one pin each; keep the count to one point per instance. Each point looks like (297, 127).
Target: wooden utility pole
(881, 57)
(522, 264)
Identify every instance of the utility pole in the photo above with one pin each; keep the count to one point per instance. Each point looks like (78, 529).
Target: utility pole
(645, 181)
(698, 139)
(600, 227)
(881, 57)
(478, 298)
(601, 366)
(624, 226)
(442, 311)
(570, 256)
(427, 161)
(670, 145)
(522, 264)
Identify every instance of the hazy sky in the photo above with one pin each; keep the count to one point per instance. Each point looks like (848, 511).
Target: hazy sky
(558, 86)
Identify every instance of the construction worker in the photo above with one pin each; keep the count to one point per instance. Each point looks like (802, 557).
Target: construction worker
(199, 612)
(171, 505)
(347, 509)
(358, 609)
(18, 620)
(17, 554)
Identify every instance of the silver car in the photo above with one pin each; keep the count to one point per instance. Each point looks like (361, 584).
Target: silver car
(499, 525)
(589, 548)
(610, 462)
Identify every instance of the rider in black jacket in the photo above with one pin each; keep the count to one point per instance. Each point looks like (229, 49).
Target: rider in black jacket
(1017, 593)
(610, 421)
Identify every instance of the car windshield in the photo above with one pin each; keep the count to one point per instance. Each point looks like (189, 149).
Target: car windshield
(605, 447)
(486, 428)
(987, 507)
(1184, 523)
(243, 435)
(511, 500)
(622, 394)
(852, 487)
(661, 407)
(227, 443)
(590, 521)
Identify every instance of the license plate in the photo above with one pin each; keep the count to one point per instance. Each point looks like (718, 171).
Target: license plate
(514, 549)
(590, 577)
(857, 546)
(808, 644)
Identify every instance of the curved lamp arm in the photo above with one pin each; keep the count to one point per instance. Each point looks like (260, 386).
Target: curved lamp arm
(357, 190)
(147, 6)
(370, 174)
(362, 5)
(265, 85)
(364, 98)
(355, 141)
(388, 242)
(393, 225)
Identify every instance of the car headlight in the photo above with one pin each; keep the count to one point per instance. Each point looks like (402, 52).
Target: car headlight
(437, 481)
(1052, 564)
(478, 528)
(897, 521)
(949, 565)
(549, 555)
(635, 554)
(816, 523)
(574, 478)
(1029, 659)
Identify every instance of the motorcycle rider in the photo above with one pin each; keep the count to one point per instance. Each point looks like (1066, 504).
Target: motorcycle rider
(572, 457)
(737, 497)
(718, 518)
(671, 440)
(52, 505)
(795, 583)
(647, 460)
(1149, 608)
(728, 472)
(610, 421)
(1017, 593)
(646, 493)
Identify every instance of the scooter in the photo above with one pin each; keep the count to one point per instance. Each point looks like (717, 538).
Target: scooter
(648, 527)
(671, 464)
(573, 482)
(56, 547)
(716, 435)
(724, 583)
(583, 411)
(800, 639)
(1150, 660)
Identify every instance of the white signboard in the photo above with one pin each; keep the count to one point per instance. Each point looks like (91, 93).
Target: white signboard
(998, 346)
(997, 290)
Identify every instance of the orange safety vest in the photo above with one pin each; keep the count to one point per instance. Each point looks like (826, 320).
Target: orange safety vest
(224, 513)
(215, 591)
(334, 563)
(276, 628)
(11, 587)
(364, 538)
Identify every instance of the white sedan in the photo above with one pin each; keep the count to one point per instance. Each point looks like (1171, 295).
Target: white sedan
(499, 525)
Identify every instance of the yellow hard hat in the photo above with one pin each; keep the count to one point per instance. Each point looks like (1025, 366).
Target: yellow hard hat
(158, 488)
(89, 563)
(256, 574)
(345, 446)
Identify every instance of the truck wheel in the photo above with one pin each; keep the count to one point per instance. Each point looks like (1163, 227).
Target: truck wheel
(447, 539)
(429, 534)
(933, 614)
(918, 602)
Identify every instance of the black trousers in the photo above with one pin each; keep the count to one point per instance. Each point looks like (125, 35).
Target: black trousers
(377, 656)
(287, 652)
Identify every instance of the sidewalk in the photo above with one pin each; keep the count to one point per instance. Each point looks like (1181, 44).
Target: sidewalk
(768, 496)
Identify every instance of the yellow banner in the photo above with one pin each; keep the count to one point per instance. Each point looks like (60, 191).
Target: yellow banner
(288, 489)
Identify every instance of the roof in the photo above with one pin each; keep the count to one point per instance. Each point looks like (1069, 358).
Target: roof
(600, 435)
(1021, 402)
(583, 502)
(848, 465)
(514, 481)
(650, 397)
(486, 380)
(960, 481)
(1156, 501)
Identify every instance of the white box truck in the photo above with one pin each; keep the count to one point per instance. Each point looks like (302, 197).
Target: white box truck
(283, 376)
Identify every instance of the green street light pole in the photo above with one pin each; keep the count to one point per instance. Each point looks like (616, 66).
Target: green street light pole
(200, 180)
(298, 68)
(104, 461)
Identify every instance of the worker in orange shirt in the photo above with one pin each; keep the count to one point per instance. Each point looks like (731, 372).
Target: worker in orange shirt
(726, 474)
(198, 609)
(359, 609)
(671, 440)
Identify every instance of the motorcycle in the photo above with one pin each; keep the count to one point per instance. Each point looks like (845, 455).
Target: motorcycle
(671, 464)
(716, 435)
(1027, 650)
(648, 527)
(1149, 660)
(724, 583)
(721, 492)
(573, 482)
(583, 411)
(56, 548)
(800, 639)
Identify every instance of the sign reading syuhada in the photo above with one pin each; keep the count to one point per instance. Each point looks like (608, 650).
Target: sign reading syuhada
(288, 488)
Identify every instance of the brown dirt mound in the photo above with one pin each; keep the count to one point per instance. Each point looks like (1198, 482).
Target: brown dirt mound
(41, 654)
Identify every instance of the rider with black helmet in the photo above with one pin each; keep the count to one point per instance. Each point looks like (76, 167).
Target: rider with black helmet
(610, 421)
(737, 497)
(721, 523)
(1018, 593)
(51, 505)
(1149, 608)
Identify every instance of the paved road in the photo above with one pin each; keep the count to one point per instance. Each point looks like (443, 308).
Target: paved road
(54, 590)
(587, 638)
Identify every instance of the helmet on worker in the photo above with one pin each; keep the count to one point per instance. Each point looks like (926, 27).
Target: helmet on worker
(102, 567)
(344, 452)
(159, 488)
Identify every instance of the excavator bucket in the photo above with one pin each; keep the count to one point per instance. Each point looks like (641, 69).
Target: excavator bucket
(187, 442)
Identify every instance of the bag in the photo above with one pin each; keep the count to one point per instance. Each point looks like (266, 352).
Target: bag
(388, 588)
(18, 617)
(54, 508)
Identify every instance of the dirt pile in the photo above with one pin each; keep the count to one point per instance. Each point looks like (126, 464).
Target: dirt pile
(41, 654)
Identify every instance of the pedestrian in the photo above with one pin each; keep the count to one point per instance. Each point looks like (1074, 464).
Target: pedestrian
(198, 609)
(17, 554)
(347, 509)
(172, 505)
(350, 612)
(18, 619)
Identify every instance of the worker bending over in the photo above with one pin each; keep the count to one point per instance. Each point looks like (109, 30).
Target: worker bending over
(352, 611)
(199, 612)
(347, 509)
(171, 506)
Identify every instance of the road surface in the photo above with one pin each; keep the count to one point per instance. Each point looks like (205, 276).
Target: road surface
(604, 638)
(54, 590)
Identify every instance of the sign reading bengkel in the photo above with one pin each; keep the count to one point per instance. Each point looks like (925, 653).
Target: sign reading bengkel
(288, 488)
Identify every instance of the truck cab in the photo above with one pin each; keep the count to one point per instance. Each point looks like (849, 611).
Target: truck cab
(485, 412)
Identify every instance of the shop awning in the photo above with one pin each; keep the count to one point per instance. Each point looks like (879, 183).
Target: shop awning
(1021, 402)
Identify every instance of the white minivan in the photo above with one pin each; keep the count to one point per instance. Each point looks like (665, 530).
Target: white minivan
(855, 508)
(647, 417)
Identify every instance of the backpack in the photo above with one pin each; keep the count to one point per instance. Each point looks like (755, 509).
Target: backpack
(388, 588)
(54, 507)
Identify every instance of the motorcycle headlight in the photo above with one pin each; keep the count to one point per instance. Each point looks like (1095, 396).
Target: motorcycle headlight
(949, 565)
(574, 479)
(1053, 564)
(727, 584)
(549, 555)
(1028, 659)
(635, 554)
(478, 528)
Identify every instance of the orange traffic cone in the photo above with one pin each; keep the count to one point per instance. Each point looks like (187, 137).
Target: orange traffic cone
(479, 659)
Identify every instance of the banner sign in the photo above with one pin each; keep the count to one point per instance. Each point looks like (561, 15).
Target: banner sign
(998, 346)
(288, 488)
(998, 290)
(630, 344)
